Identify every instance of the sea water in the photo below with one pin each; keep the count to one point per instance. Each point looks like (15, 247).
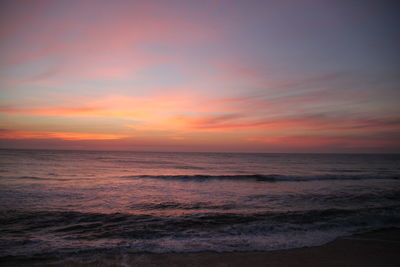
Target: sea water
(63, 202)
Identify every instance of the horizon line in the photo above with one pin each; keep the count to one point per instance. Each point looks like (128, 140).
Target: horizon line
(204, 152)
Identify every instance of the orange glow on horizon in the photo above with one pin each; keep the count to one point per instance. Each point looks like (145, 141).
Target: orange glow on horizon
(58, 135)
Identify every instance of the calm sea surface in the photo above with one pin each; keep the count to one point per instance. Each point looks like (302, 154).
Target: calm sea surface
(60, 202)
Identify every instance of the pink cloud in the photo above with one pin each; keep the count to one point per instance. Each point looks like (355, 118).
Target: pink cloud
(318, 141)
(100, 45)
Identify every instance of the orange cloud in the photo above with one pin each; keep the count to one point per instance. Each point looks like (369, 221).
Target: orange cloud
(9, 134)
(185, 112)
(53, 111)
(306, 122)
(149, 108)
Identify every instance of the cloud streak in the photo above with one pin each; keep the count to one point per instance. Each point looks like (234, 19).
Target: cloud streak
(71, 136)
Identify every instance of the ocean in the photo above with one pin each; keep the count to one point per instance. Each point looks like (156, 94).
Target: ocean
(68, 202)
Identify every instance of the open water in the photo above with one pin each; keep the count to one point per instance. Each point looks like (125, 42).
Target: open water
(66, 202)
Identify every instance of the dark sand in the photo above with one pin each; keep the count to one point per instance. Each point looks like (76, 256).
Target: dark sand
(376, 248)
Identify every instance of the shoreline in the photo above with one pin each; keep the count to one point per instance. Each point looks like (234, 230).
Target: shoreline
(372, 248)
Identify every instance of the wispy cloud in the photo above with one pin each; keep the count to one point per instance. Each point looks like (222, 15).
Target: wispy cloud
(320, 141)
(12, 134)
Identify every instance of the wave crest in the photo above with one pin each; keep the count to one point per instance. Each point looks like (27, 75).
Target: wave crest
(262, 177)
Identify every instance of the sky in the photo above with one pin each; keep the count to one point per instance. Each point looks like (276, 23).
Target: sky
(296, 76)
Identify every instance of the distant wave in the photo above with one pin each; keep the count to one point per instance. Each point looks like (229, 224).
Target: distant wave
(38, 178)
(203, 177)
(262, 177)
(172, 205)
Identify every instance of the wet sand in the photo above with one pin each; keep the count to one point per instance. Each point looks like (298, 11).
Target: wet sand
(376, 248)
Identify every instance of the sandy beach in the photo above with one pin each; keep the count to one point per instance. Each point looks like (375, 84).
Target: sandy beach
(375, 248)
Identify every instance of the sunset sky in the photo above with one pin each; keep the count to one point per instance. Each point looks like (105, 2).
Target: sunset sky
(243, 76)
